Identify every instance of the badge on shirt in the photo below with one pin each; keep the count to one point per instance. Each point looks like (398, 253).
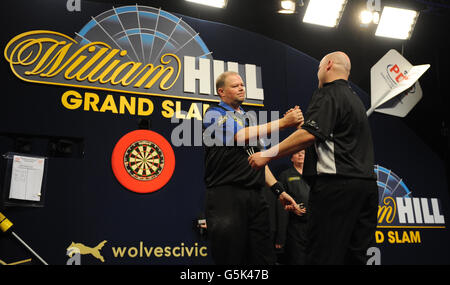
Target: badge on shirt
(293, 178)
(222, 120)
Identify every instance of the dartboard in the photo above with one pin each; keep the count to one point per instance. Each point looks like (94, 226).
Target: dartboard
(145, 32)
(143, 161)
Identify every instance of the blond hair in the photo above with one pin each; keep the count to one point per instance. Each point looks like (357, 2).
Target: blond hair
(220, 81)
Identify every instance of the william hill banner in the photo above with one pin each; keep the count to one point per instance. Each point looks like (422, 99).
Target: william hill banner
(130, 49)
(107, 94)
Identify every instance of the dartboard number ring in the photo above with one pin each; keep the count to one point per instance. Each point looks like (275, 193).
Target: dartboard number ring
(143, 161)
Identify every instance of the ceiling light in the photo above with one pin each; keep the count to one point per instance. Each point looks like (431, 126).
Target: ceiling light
(375, 17)
(368, 17)
(287, 7)
(396, 23)
(212, 3)
(365, 17)
(324, 12)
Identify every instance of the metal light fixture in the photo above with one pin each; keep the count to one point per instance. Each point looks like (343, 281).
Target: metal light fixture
(287, 7)
(396, 23)
(368, 17)
(324, 12)
(375, 17)
(212, 3)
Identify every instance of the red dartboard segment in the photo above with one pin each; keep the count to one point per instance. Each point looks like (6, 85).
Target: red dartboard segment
(143, 161)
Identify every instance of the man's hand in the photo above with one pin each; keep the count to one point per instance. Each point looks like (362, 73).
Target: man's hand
(290, 110)
(257, 161)
(293, 117)
(290, 205)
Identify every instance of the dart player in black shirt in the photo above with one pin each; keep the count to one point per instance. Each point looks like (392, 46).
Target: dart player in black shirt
(344, 197)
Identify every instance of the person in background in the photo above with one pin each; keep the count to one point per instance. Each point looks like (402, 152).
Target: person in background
(292, 228)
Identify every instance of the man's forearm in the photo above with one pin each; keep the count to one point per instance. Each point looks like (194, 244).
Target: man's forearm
(270, 178)
(252, 132)
(298, 140)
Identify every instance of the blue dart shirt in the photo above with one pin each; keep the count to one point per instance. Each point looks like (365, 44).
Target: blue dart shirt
(222, 123)
(226, 161)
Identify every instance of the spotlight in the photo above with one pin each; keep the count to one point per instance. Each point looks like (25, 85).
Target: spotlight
(368, 17)
(324, 12)
(287, 7)
(376, 17)
(212, 3)
(396, 23)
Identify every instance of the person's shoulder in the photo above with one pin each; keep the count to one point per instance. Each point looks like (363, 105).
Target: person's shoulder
(336, 91)
(286, 172)
(216, 109)
(214, 114)
(325, 93)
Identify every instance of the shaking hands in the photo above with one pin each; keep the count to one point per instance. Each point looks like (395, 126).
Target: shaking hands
(293, 117)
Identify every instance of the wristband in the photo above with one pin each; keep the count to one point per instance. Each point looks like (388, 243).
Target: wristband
(277, 188)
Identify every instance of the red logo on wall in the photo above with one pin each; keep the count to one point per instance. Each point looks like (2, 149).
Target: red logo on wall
(143, 161)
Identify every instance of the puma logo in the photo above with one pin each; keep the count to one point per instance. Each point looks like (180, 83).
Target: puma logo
(82, 249)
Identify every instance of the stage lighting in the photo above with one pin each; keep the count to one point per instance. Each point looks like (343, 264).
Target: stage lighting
(324, 12)
(368, 17)
(375, 17)
(212, 3)
(287, 7)
(396, 23)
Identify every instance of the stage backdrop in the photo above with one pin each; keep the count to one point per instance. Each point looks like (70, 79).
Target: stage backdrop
(114, 98)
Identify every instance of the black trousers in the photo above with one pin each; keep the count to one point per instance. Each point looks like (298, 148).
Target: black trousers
(342, 220)
(296, 241)
(238, 226)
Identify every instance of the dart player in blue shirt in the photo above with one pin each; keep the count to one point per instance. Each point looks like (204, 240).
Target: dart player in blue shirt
(237, 214)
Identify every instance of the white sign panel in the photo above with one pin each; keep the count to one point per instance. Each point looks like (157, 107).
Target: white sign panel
(391, 80)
